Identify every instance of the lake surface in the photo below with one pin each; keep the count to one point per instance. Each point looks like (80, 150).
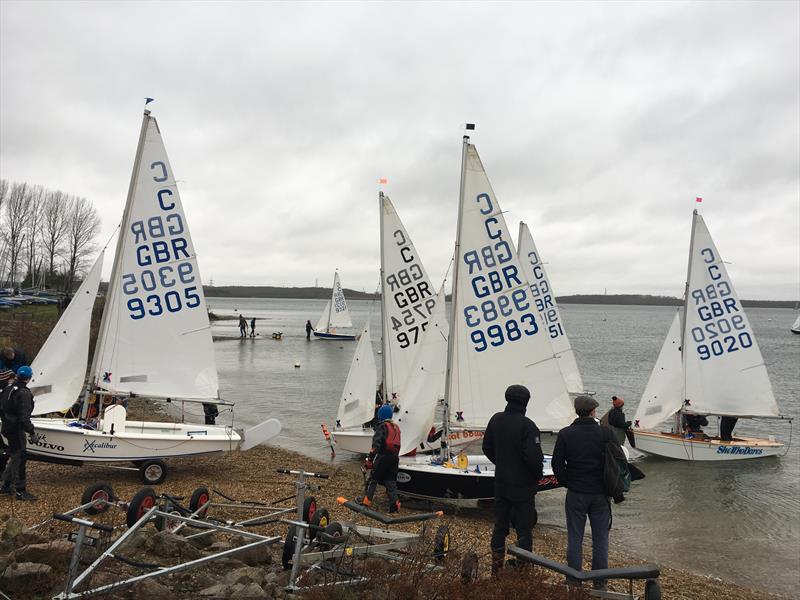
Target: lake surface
(738, 521)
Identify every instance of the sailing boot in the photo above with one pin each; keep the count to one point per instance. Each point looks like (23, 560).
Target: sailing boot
(365, 501)
(26, 496)
(498, 558)
(393, 508)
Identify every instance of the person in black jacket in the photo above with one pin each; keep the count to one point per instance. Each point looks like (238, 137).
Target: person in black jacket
(383, 459)
(6, 379)
(16, 424)
(578, 464)
(12, 358)
(512, 442)
(615, 419)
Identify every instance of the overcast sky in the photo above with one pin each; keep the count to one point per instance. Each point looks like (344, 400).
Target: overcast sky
(598, 124)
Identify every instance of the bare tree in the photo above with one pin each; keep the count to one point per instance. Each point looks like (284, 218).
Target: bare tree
(54, 223)
(3, 191)
(16, 218)
(83, 225)
(32, 230)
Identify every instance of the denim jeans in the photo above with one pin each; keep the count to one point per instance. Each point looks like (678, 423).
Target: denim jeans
(577, 507)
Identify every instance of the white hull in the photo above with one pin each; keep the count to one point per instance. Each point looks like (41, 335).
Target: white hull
(138, 442)
(670, 445)
(359, 440)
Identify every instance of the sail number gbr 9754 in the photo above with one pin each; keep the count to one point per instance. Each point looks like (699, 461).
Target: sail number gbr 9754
(722, 328)
(501, 312)
(165, 280)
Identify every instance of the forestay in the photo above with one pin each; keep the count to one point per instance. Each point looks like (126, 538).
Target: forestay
(335, 313)
(155, 338)
(663, 395)
(546, 307)
(500, 340)
(357, 405)
(408, 299)
(724, 369)
(425, 385)
(59, 369)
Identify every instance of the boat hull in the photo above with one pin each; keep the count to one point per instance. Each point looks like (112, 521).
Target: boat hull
(670, 445)
(422, 479)
(333, 336)
(359, 441)
(138, 442)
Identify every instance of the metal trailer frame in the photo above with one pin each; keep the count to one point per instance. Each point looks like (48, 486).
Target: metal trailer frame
(396, 541)
(649, 573)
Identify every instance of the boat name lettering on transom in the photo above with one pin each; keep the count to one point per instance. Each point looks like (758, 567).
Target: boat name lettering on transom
(502, 309)
(413, 299)
(740, 450)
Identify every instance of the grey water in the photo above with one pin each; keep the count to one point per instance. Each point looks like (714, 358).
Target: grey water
(739, 521)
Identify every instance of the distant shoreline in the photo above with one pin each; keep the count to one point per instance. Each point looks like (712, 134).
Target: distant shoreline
(321, 293)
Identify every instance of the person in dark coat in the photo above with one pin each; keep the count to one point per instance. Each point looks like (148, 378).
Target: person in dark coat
(12, 358)
(694, 423)
(210, 412)
(512, 442)
(309, 329)
(253, 327)
(578, 464)
(615, 419)
(6, 379)
(242, 326)
(16, 424)
(383, 459)
(726, 425)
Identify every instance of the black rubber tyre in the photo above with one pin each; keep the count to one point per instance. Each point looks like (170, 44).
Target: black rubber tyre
(199, 497)
(288, 547)
(153, 472)
(469, 567)
(320, 519)
(142, 501)
(309, 508)
(333, 534)
(652, 590)
(441, 543)
(97, 491)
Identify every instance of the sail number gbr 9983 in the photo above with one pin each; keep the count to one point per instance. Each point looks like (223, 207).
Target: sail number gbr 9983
(506, 316)
(165, 281)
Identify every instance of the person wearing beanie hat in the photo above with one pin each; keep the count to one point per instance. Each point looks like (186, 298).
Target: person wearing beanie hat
(17, 408)
(6, 379)
(614, 419)
(512, 442)
(383, 459)
(578, 463)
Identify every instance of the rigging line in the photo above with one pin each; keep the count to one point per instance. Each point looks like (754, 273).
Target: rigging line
(113, 233)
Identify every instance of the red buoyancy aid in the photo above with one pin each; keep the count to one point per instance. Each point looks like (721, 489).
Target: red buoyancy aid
(392, 443)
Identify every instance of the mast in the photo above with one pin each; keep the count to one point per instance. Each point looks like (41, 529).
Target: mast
(683, 319)
(330, 306)
(112, 288)
(451, 338)
(384, 345)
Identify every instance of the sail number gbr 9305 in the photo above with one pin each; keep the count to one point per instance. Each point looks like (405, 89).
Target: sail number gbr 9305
(165, 281)
(506, 316)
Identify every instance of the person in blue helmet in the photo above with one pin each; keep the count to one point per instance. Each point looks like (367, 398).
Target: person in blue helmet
(383, 459)
(17, 408)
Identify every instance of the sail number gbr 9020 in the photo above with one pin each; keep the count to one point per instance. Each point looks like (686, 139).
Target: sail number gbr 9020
(507, 316)
(165, 281)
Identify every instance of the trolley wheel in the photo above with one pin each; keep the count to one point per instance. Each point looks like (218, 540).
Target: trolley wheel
(652, 590)
(142, 501)
(441, 543)
(320, 519)
(309, 508)
(153, 472)
(199, 497)
(469, 567)
(333, 534)
(165, 523)
(95, 493)
(288, 547)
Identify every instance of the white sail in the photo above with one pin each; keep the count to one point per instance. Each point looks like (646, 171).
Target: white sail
(544, 299)
(663, 395)
(357, 405)
(59, 369)
(155, 339)
(724, 369)
(425, 383)
(408, 299)
(499, 338)
(796, 326)
(335, 314)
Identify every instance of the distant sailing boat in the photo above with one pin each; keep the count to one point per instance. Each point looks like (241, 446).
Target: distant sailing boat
(154, 340)
(710, 364)
(796, 325)
(335, 315)
(496, 339)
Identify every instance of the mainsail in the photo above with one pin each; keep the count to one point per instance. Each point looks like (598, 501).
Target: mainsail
(407, 301)
(59, 369)
(335, 313)
(155, 338)
(545, 301)
(499, 338)
(357, 405)
(724, 369)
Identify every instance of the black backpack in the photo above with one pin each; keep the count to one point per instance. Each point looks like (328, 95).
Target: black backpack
(7, 405)
(616, 477)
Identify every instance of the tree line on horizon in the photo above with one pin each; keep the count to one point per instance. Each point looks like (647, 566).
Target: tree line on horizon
(46, 236)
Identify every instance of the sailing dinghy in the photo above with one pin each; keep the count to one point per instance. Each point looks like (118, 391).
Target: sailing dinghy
(796, 324)
(709, 364)
(335, 315)
(154, 341)
(496, 339)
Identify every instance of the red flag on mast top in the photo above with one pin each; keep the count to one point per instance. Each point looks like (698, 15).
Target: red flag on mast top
(383, 181)
(698, 199)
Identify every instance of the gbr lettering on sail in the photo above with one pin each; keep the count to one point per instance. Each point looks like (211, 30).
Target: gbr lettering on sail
(163, 280)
